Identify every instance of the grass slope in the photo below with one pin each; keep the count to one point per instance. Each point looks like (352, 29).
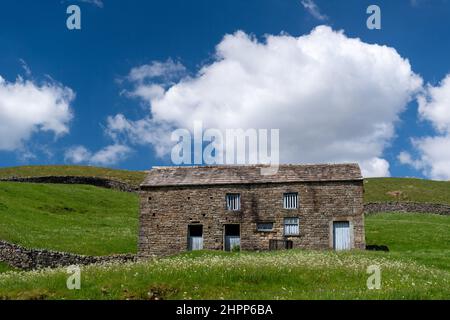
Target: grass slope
(4, 267)
(424, 238)
(415, 190)
(273, 275)
(79, 219)
(132, 177)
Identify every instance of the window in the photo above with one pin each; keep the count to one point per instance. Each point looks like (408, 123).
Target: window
(233, 202)
(290, 201)
(291, 227)
(264, 226)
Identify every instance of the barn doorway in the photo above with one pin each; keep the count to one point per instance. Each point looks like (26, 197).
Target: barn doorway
(341, 235)
(232, 237)
(195, 237)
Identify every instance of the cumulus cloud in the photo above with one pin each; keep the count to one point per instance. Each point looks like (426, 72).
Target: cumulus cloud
(434, 105)
(313, 9)
(27, 108)
(334, 98)
(109, 155)
(433, 152)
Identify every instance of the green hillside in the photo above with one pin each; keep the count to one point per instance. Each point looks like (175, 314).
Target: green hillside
(74, 218)
(406, 189)
(131, 177)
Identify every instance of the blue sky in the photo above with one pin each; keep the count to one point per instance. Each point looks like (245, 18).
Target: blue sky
(90, 69)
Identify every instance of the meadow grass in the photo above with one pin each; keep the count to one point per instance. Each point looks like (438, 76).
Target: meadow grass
(416, 267)
(75, 218)
(213, 275)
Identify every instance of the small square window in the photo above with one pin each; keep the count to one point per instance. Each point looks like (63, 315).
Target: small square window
(233, 202)
(290, 201)
(291, 226)
(264, 226)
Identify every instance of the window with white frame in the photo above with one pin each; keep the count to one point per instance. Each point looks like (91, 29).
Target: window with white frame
(264, 226)
(290, 200)
(291, 226)
(233, 202)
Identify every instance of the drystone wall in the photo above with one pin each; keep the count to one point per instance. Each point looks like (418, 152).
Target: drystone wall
(94, 181)
(28, 259)
(435, 208)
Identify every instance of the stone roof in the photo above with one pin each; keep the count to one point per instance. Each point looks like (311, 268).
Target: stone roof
(249, 174)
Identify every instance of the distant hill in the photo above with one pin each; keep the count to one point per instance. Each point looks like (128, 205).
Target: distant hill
(133, 178)
(406, 189)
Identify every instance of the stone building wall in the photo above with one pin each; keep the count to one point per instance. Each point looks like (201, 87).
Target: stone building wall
(166, 213)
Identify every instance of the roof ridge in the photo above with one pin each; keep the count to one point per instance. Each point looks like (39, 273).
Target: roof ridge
(249, 174)
(255, 165)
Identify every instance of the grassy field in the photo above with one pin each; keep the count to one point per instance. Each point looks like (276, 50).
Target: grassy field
(203, 275)
(424, 238)
(4, 267)
(132, 177)
(405, 189)
(416, 267)
(79, 219)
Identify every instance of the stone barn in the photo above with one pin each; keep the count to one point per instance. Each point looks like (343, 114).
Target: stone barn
(237, 208)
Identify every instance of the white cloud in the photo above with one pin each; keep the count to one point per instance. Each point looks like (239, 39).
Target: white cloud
(97, 3)
(406, 158)
(313, 9)
(77, 154)
(25, 67)
(27, 108)
(144, 76)
(156, 69)
(433, 152)
(434, 106)
(109, 155)
(375, 167)
(141, 132)
(334, 99)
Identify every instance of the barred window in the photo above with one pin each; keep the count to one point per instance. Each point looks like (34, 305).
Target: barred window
(291, 226)
(264, 226)
(290, 201)
(233, 202)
